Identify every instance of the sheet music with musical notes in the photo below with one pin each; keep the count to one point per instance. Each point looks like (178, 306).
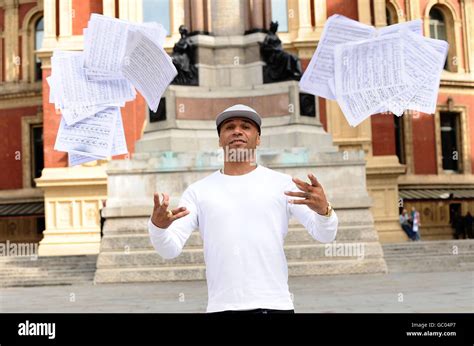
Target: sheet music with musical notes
(119, 147)
(148, 67)
(338, 29)
(369, 71)
(93, 135)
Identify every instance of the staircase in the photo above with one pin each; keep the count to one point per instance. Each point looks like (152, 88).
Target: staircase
(430, 256)
(45, 271)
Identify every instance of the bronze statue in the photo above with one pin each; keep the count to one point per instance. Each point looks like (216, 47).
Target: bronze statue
(280, 65)
(183, 57)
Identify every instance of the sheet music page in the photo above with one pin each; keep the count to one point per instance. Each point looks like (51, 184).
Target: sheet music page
(105, 44)
(91, 136)
(367, 74)
(148, 67)
(75, 158)
(415, 26)
(75, 90)
(423, 66)
(425, 99)
(119, 147)
(338, 29)
(369, 64)
(74, 114)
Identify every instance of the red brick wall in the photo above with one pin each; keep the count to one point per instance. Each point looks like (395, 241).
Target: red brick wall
(22, 11)
(305, 63)
(51, 122)
(383, 134)
(11, 154)
(207, 109)
(82, 12)
(2, 19)
(2, 41)
(133, 116)
(346, 8)
(468, 102)
(20, 52)
(322, 112)
(424, 143)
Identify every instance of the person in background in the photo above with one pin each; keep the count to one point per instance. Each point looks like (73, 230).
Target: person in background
(458, 225)
(468, 226)
(404, 218)
(415, 217)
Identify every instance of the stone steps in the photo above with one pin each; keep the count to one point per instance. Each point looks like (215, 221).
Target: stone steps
(197, 272)
(430, 256)
(33, 282)
(54, 270)
(195, 256)
(141, 241)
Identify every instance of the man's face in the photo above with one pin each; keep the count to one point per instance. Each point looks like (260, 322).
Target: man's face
(239, 133)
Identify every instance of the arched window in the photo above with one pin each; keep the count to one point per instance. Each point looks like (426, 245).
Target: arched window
(438, 28)
(391, 14)
(437, 24)
(39, 33)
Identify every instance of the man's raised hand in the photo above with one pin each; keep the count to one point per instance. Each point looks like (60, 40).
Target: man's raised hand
(162, 217)
(313, 194)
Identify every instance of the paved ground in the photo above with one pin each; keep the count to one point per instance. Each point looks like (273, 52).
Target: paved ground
(419, 292)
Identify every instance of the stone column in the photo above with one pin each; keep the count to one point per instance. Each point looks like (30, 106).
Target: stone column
(197, 16)
(363, 9)
(460, 65)
(65, 20)
(412, 9)
(380, 16)
(177, 13)
(320, 16)
(267, 15)
(468, 9)
(256, 15)
(10, 34)
(228, 17)
(108, 7)
(304, 14)
(49, 20)
(131, 10)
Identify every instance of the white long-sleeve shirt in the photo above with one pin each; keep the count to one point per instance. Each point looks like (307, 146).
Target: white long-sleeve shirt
(243, 220)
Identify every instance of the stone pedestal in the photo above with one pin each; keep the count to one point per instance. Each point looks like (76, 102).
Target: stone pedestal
(126, 252)
(73, 198)
(191, 111)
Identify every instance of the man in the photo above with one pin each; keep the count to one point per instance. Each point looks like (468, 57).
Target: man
(242, 212)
